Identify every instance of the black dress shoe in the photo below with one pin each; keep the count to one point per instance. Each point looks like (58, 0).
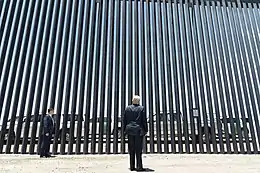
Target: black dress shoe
(48, 155)
(41, 156)
(132, 169)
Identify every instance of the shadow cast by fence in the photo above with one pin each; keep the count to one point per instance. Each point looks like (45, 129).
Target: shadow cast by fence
(146, 170)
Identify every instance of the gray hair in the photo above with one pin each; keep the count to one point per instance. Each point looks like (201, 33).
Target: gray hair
(136, 100)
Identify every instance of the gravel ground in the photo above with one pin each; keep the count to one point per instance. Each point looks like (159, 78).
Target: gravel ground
(119, 163)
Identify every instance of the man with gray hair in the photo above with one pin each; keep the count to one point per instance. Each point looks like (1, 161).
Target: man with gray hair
(135, 126)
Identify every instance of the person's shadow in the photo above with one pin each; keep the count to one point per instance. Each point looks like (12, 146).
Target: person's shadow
(51, 156)
(146, 170)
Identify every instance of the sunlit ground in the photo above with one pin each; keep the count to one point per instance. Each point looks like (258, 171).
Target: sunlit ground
(119, 163)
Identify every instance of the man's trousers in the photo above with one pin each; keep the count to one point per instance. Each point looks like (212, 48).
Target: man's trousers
(45, 145)
(135, 146)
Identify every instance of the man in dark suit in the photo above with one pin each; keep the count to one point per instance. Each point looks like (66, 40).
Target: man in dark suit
(135, 126)
(48, 127)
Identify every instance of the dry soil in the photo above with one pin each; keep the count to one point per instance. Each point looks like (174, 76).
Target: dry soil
(119, 164)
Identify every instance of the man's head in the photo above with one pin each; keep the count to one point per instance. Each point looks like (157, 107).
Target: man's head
(50, 111)
(136, 100)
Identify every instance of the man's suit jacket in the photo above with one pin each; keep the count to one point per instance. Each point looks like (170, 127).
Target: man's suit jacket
(48, 125)
(131, 114)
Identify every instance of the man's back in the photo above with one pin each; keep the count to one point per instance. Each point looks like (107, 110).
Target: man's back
(135, 113)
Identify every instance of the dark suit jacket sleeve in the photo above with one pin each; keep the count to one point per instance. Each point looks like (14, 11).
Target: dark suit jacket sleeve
(145, 125)
(124, 120)
(46, 128)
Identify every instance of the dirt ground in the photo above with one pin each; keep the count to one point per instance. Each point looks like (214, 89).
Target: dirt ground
(119, 163)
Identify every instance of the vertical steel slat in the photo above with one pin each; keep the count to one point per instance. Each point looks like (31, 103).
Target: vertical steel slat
(19, 74)
(252, 18)
(258, 11)
(181, 125)
(245, 53)
(130, 53)
(156, 81)
(214, 122)
(26, 75)
(110, 70)
(210, 88)
(254, 72)
(10, 83)
(101, 78)
(230, 73)
(157, 98)
(208, 120)
(195, 107)
(3, 15)
(253, 79)
(75, 74)
(239, 90)
(1, 6)
(216, 80)
(39, 83)
(116, 78)
(257, 18)
(83, 52)
(183, 76)
(136, 48)
(225, 96)
(226, 45)
(143, 71)
(102, 129)
(40, 78)
(161, 55)
(237, 70)
(65, 131)
(6, 36)
(202, 107)
(171, 80)
(255, 43)
(255, 15)
(189, 71)
(96, 56)
(70, 82)
(195, 77)
(54, 51)
(33, 76)
(173, 22)
(75, 70)
(6, 51)
(4, 5)
(83, 74)
(89, 77)
(150, 83)
(181, 108)
(198, 92)
(123, 74)
(83, 61)
(237, 82)
(63, 80)
(50, 87)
